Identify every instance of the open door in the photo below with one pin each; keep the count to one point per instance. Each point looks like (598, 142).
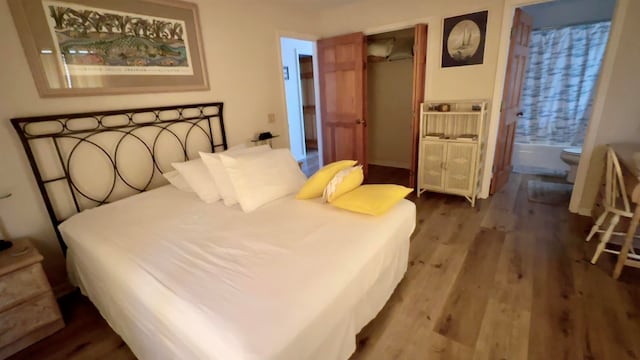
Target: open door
(341, 71)
(510, 107)
(419, 76)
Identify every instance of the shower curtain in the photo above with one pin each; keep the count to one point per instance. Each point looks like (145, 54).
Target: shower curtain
(560, 83)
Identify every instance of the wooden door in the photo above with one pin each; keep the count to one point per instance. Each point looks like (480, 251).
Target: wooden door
(510, 106)
(341, 71)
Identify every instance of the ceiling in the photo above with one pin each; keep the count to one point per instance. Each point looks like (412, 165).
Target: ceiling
(316, 4)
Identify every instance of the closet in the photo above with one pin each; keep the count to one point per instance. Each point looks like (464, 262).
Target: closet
(368, 113)
(389, 74)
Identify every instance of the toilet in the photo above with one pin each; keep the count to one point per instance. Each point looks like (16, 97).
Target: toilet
(571, 157)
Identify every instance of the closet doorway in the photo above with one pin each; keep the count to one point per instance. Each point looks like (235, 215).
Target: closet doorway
(371, 88)
(389, 107)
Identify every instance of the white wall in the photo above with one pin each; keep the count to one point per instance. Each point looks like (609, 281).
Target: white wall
(567, 12)
(241, 49)
(290, 49)
(389, 92)
(616, 110)
(374, 16)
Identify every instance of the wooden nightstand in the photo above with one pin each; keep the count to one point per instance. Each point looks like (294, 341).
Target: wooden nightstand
(28, 309)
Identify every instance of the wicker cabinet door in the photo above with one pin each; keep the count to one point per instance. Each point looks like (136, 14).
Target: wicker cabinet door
(432, 173)
(459, 168)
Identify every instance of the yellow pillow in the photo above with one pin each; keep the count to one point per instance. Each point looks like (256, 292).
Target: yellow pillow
(344, 181)
(315, 185)
(372, 199)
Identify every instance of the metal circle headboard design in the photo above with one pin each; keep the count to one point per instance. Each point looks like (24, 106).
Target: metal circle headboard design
(70, 134)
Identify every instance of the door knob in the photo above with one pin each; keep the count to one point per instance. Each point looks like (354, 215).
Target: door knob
(519, 114)
(358, 122)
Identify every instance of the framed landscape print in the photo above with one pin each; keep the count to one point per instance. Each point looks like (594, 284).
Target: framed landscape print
(95, 47)
(464, 39)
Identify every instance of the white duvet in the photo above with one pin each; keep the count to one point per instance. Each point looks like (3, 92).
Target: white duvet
(181, 279)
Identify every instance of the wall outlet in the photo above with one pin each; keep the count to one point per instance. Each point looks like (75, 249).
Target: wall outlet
(271, 118)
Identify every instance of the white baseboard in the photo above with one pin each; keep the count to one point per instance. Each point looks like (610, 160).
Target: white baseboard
(390, 163)
(584, 212)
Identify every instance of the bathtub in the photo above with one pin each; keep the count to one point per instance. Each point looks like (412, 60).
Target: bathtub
(539, 158)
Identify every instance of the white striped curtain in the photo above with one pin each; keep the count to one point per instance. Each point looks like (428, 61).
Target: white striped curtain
(559, 86)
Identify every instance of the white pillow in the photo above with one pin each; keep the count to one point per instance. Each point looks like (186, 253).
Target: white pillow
(199, 179)
(380, 48)
(177, 180)
(219, 173)
(259, 178)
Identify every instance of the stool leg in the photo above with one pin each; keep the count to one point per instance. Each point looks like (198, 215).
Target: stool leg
(596, 226)
(605, 238)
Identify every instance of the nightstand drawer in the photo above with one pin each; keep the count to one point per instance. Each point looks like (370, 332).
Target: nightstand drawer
(27, 317)
(21, 285)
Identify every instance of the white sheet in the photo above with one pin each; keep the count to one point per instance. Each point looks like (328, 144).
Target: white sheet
(178, 278)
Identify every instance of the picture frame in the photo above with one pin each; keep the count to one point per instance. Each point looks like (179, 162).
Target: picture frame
(463, 39)
(106, 47)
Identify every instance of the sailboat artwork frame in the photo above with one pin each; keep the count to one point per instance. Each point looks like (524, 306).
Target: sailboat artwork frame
(463, 39)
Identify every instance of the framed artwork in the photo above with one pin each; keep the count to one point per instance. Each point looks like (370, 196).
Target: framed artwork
(463, 39)
(100, 47)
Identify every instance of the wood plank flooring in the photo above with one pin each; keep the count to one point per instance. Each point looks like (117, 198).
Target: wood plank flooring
(509, 279)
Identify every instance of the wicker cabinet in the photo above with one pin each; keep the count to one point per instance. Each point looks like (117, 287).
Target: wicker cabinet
(432, 155)
(452, 148)
(459, 168)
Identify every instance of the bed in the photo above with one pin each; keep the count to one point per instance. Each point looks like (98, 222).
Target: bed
(179, 278)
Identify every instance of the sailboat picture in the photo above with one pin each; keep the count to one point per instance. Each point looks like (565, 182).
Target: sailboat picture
(464, 38)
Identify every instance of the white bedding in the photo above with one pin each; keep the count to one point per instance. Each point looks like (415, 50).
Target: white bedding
(181, 279)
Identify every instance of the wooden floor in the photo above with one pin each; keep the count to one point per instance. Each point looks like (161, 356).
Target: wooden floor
(507, 280)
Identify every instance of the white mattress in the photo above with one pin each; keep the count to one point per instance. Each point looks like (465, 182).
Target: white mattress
(178, 278)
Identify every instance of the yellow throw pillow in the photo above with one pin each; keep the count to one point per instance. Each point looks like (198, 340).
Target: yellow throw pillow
(372, 199)
(315, 185)
(344, 181)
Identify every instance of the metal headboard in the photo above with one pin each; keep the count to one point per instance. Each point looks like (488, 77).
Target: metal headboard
(53, 143)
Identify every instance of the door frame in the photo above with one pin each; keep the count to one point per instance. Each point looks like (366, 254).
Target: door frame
(283, 128)
(596, 115)
(415, 127)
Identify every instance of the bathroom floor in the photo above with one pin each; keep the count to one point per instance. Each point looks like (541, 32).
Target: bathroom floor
(550, 187)
(533, 170)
